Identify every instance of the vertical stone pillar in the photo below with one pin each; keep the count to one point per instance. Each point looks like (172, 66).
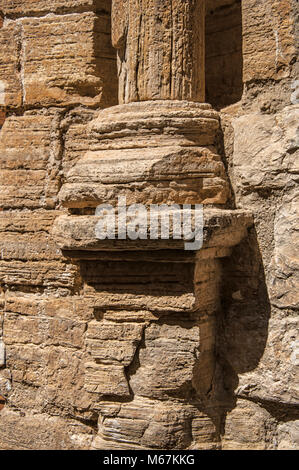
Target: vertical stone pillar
(160, 48)
(156, 147)
(162, 134)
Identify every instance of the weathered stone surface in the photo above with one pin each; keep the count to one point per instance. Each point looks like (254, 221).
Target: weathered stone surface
(106, 380)
(35, 273)
(40, 330)
(269, 44)
(276, 376)
(77, 139)
(248, 427)
(149, 348)
(2, 353)
(288, 436)
(160, 46)
(11, 88)
(220, 229)
(284, 277)
(149, 424)
(112, 343)
(30, 158)
(166, 361)
(41, 432)
(19, 8)
(62, 63)
(271, 193)
(25, 236)
(46, 378)
(168, 145)
(72, 308)
(265, 150)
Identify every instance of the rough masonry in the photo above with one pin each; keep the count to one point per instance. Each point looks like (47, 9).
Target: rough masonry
(138, 345)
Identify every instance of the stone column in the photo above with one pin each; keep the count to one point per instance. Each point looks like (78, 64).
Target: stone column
(160, 48)
(152, 343)
(157, 147)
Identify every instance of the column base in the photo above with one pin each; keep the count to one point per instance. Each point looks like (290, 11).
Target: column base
(151, 152)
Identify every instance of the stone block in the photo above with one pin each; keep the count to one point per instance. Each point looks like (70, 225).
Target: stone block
(113, 343)
(106, 380)
(167, 361)
(265, 150)
(269, 45)
(247, 427)
(30, 158)
(20, 8)
(41, 432)
(11, 86)
(34, 273)
(67, 60)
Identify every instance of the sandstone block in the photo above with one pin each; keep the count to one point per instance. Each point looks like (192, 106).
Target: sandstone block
(167, 361)
(167, 145)
(72, 307)
(24, 329)
(46, 377)
(23, 304)
(112, 343)
(77, 235)
(41, 432)
(19, 8)
(77, 139)
(276, 377)
(288, 435)
(284, 276)
(151, 424)
(268, 40)
(26, 363)
(63, 63)
(38, 274)
(30, 150)
(269, 159)
(11, 88)
(247, 427)
(25, 236)
(64, 380)
(106, 380)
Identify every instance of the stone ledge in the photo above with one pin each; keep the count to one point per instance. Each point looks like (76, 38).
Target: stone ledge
(222, 229)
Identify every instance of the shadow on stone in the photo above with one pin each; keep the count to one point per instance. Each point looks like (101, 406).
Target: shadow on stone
(242, 329)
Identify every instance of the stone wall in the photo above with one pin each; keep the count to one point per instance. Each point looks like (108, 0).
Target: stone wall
(259, 330)
(57, 68)
(68, 380)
